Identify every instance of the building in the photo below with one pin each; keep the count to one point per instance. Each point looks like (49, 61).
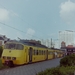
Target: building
(3, 39)
(63, 45)
(70, 49)
(47, 42)
(66, 36)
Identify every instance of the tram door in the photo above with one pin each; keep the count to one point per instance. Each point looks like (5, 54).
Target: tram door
(46, 54)
(30, 55)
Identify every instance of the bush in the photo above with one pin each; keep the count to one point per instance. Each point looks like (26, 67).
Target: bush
(67, 67)
(1, 50)
(68, 60)
(69, 70)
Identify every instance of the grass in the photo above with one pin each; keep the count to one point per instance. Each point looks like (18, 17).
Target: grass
(2, 66)
(69, 70)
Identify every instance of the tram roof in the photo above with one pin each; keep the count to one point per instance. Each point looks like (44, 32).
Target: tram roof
(29, 43)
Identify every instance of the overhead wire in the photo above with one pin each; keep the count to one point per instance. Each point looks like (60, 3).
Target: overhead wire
(14, 27)
(17, 29)
(17, 16)
(14, 14)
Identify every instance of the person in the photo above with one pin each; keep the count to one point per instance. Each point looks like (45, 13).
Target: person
(55, 54)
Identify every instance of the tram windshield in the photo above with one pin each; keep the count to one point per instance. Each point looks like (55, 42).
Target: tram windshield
(13, 46)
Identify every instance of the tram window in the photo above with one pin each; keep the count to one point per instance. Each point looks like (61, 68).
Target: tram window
(19, 46)
(10, 46)
(37, 52)
(6, 46)
(28, 51)
(45, 52)
(34, 52)
(42, 52)
(51, 53)
(14, 46)
(48, 52)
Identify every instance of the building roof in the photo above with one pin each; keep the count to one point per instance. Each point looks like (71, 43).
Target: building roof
(70, 46)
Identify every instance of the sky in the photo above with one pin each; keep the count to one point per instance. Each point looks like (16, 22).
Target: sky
(36, 19)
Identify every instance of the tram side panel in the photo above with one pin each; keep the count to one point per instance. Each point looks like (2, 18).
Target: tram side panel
(38, 54)
(50, 54)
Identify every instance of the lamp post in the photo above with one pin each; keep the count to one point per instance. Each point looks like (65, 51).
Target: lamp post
(53, 43)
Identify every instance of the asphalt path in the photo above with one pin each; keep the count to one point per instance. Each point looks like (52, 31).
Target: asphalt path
(31, 69)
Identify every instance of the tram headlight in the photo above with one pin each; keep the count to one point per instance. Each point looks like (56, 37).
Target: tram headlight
(3, 57)
(9, 58)
(13, 58)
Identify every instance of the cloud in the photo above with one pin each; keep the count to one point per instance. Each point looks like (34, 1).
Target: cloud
(4, 14)
(30, 33)
(67, 11)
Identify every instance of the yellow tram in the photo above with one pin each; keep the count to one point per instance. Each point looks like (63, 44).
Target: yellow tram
(24, 52)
